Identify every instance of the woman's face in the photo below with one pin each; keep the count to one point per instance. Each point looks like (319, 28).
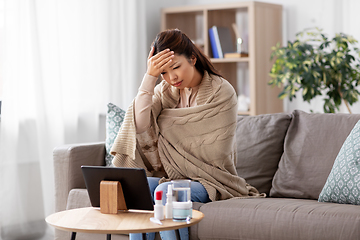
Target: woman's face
(182, 73)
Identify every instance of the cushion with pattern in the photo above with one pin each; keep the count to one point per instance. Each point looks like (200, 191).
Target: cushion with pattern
(114, 119)
(343, 183)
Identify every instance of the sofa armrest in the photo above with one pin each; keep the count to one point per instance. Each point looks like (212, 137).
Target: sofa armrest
(68, 160)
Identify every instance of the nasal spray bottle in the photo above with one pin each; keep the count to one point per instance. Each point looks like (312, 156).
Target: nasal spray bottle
(169, 205)
(159, 208)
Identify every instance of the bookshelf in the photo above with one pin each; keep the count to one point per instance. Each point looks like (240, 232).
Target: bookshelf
(261, 26)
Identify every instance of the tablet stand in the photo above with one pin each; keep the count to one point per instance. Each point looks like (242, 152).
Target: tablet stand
(111, 197)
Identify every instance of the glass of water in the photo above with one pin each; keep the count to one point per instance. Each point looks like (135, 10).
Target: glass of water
(182, 205)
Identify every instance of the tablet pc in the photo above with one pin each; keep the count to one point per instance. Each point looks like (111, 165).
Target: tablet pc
(133, 182)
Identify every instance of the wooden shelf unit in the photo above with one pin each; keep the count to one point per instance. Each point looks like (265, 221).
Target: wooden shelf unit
(263, 24)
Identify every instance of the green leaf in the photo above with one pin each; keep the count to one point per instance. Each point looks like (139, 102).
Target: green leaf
(282, 95)
(339, 54)
(305, 91)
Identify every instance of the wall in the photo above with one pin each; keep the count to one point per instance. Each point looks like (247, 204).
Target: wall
(332, 16)
(153, 16)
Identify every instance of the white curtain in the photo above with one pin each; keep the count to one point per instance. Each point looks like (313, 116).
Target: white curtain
(64, 60)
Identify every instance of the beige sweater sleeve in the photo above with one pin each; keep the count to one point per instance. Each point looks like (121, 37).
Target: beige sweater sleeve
(143, 103)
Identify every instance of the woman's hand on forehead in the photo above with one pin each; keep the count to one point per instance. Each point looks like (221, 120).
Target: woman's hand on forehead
(157, 63)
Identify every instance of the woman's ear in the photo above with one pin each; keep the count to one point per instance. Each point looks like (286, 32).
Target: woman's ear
(193, 60)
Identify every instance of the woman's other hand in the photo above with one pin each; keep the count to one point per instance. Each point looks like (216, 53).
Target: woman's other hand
(156, 64)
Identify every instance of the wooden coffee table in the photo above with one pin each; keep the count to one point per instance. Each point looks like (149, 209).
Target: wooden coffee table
(91, 220)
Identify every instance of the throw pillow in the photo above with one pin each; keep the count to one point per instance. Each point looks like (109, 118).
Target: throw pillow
(343, 183)
(311, 145)
(114, 119)
(260, 144)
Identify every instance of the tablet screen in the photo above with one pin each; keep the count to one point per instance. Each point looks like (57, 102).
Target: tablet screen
(133, 182)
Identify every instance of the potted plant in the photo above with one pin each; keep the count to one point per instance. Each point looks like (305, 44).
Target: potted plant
(318, 66)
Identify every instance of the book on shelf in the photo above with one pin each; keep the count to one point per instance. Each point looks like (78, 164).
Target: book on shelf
(214, 42)
(235, 55)
(220, 41)
(226, 41)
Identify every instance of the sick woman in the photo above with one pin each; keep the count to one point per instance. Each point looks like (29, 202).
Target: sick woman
(182, 127)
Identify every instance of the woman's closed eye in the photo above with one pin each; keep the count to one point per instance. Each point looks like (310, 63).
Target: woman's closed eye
(172, 69)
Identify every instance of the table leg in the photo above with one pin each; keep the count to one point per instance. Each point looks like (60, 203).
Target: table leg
(108, 236)
(73, 235)
(177, 234)
(144, 236)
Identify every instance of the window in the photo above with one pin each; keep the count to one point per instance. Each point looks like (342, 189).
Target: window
(1, 48)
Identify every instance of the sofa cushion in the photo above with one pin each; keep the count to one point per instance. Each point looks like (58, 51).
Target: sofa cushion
(114, 119)
(311, 146)
(277, 219)
(260, 141)
(343, 183)
(78, 198)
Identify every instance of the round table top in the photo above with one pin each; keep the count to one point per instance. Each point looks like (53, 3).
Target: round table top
(91, 220)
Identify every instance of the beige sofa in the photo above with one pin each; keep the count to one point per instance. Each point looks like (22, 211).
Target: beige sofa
(287, 156)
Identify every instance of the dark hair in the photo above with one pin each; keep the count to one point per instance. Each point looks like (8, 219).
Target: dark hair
(178, 42)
